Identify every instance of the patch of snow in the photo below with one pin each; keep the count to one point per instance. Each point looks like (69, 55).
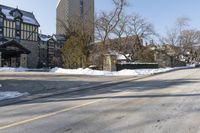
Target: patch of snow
(11, 94)
(121, 57)
(80, 71)
(12, 69)
(29, 20)
(21, 69)
(126, 72)
(124, 62)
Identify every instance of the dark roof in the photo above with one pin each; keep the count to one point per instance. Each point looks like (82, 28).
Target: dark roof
(27, 17)
(14, 42)
(57, 37)
(44, 37)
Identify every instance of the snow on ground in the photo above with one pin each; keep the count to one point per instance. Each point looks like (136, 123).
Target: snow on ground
(11, 94)
(21, 69)
(11, 69)
(126, 72)
(88, 71)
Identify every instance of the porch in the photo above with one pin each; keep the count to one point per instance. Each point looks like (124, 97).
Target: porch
(13, 54)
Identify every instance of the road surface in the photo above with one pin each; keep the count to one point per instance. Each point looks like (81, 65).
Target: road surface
(165, 103)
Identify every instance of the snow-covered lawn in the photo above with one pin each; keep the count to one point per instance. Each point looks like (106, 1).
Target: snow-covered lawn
(11, 94)
(136, 72)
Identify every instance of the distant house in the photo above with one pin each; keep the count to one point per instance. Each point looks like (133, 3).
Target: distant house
(121, 47)
(50, 50)
(168, 56)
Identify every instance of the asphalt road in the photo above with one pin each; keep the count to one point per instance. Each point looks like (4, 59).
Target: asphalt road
(34, 82)
(166, 103)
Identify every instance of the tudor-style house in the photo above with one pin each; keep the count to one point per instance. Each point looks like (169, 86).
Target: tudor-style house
(20, 43)
(18, 38)
(50, 50)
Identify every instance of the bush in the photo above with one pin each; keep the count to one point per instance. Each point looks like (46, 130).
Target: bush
(75, 53)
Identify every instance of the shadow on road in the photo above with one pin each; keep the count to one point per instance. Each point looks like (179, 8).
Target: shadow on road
(97, 93)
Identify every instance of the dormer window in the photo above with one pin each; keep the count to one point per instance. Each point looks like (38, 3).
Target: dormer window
(16, 13)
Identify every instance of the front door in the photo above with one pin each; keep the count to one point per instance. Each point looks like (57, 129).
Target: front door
(10, 60)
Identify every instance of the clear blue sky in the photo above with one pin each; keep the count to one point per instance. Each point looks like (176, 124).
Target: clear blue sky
(162, 13)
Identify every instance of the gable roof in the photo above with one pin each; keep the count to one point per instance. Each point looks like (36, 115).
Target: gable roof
(1, 13)
(44, 38)
(27, 17)
(13, 42)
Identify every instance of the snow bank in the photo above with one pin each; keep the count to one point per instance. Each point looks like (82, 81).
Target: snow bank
(11, 69)
(126, 72)
(21, 69)
(11, 94)
(80, 71)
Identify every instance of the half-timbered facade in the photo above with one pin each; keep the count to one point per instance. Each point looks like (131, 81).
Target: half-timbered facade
(50, 50)
(18, 38)
(20, 43)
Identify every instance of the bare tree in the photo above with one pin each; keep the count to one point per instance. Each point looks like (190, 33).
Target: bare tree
(174, 35)
(190, 38)
(140, 27)
(107, 21)
(104, 25)
(190, 42)
(182, 23)
(121, 44)
(130, 32)
(184, 38)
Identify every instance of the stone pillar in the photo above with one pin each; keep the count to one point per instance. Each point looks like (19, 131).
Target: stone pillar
(23, 60)
(0, 60)
(110, 62)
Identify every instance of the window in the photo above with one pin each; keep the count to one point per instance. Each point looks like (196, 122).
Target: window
(13, 25)
(24, 27)
(31, 28)
(1, 27)
(7, 24)
(22, 34)
(1, 22)
(1, 32)
(10, 24)
(28, 28)
(18, 30)
(81, 6)
(17, 14)
(18, 25)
